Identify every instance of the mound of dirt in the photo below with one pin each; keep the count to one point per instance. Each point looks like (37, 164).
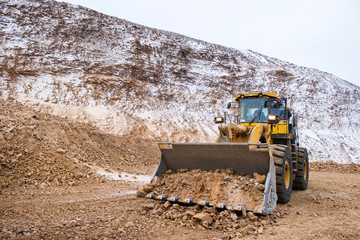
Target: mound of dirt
(41, 150)
(331, 166)
(221, 186)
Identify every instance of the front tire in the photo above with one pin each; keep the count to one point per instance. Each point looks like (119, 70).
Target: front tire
(284, 172)
(302, 175)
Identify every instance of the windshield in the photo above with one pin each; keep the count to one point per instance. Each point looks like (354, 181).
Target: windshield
(253, 110)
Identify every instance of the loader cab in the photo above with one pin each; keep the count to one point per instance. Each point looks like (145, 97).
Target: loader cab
(258, 108)
(253, 110)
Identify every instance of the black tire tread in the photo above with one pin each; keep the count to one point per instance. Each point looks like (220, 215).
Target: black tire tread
(300, 183)
(279, 155)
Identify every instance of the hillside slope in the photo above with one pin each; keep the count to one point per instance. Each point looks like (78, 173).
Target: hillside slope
(129, 79)
(38, 150)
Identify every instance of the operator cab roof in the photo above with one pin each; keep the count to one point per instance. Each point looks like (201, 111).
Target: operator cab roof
(256, 95)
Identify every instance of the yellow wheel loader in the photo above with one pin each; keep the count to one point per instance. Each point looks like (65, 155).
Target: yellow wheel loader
(259, 135)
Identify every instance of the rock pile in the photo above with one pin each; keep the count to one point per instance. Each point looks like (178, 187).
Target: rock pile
(217, 186)
(40, 150)
(331, 166)
(220, 186)
(229, 222)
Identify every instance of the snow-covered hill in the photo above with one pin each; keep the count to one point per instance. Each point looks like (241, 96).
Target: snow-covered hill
(129, 79)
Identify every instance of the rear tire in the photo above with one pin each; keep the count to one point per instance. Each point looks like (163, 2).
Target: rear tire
(284, 172)
(302, 175)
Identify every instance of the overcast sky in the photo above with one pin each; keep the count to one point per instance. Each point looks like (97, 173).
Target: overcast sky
(323, 34)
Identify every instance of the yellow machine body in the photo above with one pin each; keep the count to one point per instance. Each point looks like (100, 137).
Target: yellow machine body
(255, 132)
(259, 135)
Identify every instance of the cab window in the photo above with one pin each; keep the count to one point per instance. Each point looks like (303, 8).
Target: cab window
(253, 110)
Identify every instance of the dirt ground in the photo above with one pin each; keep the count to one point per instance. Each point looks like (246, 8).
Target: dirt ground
(329, 209)
(83, 185)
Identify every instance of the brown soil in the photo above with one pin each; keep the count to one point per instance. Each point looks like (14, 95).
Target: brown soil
(39, 149)
(217, 187)
(47, 194)
(331, 166)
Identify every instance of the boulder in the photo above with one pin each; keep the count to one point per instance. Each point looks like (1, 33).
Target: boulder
(167, 204)
(260, 187)
(203, 217)
(234, 217)
(230, 171)
(148, 206)
(189, 213)
(148, 188)
(140, 193)
(259, 178)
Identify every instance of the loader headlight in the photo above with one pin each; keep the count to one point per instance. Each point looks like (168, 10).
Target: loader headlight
(219, 120)
(273, 118)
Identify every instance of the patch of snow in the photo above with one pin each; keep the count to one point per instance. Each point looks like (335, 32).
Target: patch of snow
(125, 176)
(91, 77)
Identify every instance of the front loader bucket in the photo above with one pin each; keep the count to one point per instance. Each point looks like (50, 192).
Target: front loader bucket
(243, 158)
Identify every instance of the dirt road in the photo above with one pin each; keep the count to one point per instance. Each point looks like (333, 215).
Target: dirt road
(329, 209)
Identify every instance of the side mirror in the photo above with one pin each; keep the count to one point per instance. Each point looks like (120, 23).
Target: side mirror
(229, 105)
(281, 102)
(275, 103)
(218, 119)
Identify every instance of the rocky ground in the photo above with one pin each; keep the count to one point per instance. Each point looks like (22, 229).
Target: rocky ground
(64, 180)
(44, 150)
(331, 166)
(217, 187)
